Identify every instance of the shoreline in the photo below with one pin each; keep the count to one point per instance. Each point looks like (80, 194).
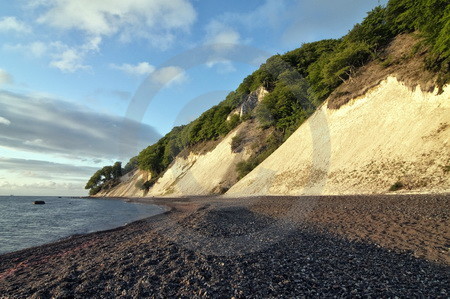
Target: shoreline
(259, 246)
(158, 209)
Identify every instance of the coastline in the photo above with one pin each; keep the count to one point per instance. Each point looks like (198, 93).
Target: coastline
(260, 246)
(77, 216)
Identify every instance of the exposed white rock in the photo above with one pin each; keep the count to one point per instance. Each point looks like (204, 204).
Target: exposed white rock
(391, 134)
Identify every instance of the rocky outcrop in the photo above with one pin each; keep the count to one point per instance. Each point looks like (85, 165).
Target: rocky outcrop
(250, 102)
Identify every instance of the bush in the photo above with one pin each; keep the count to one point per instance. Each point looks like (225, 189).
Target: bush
(236, 143)
(374, 31)
(148, 184)
(397, 186)
(234, 121)
(270, 145)
(139, 184)
(431, 18)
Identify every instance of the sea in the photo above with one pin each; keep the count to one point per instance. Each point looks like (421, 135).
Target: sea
(24, 224)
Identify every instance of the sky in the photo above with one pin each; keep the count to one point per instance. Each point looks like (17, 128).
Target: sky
(85, 83)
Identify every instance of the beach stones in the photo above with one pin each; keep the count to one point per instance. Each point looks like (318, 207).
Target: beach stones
(39, 202)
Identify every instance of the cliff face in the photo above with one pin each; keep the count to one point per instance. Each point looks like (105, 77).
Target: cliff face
(201, 171)
(210, 173)
(392, 135)
(129, 185)
(384, 128)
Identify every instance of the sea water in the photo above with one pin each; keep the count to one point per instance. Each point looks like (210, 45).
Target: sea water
(23, 224)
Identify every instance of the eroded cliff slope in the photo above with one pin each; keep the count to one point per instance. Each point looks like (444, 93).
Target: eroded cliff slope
(393, 137)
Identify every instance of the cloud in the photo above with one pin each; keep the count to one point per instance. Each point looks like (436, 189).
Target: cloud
(4, 121)
(165, 76)
(44, 169)
(43, 188)
(69, 61)
(223, 29)
(222, 66)
(8, 24)
(142, 68)
(53, 126)
(5, 78)
(220, 33)
(222, 39)
(155, 20)
(37, 48)
(168, 76)
(61, 56)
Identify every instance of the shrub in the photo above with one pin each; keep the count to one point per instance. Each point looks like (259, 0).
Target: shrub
(236, 143)
(397, 186)
(148, 184)
(139, 184)
(234, 121)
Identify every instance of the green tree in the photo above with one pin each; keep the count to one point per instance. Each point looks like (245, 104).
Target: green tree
(374, 31)
(117, 170)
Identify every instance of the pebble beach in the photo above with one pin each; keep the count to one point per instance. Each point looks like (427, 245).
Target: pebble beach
(380, 245)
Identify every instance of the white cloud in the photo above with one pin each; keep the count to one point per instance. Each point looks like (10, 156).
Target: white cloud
(5, 121)
(61, 56)
(222, 39)
(5, 77)
(169, 75)
(222, 66)
(223, 30)
(93, 44)
(219, 33)
(12, 24)
(142, 68)
(69, 61)
(156, 19)
(38, 48)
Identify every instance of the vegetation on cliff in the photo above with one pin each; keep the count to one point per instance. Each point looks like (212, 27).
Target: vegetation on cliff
(104, 178)
(300, 80)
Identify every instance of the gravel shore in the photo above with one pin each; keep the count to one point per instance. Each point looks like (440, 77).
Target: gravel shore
(396, 245)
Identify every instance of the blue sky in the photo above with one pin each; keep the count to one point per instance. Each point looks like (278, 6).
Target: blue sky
(84, 83)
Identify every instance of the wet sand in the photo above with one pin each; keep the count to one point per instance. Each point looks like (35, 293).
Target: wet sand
(385, 245)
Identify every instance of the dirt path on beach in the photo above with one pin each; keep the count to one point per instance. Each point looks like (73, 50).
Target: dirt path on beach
(272, 246)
